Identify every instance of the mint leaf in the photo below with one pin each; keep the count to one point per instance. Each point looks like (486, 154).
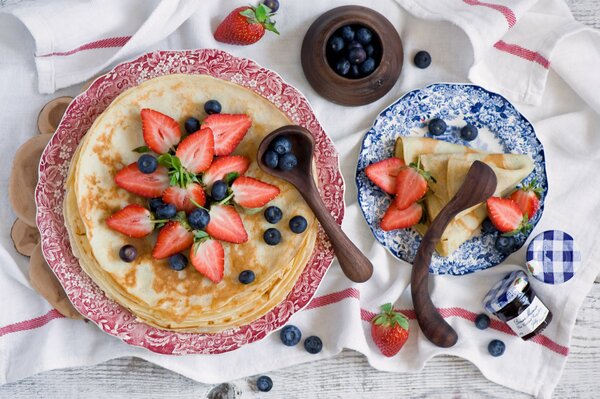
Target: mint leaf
(141, 149)
(230, 177)
(166, 160)
(200, 234)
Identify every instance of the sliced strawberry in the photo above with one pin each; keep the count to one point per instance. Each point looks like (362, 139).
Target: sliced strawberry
(506, 215)
(161, 132)
(225, 224)
(133, 221)
(182, 197)
(383, 173)
(197, 150)
(252, 193)
(149, 185)
(411, 185)
(395, 218)
(208, 257)
(224, 165)
(528, 200)
(228, 129)
(172, 238)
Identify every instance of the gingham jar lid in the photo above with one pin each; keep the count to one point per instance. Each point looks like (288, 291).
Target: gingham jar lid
(505, 291)
(553, 257)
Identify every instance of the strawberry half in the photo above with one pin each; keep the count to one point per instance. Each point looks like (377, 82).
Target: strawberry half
(245, 25)
(383, 173)
(172, 238)
(389, 330)
(224, 165)
(411, 185)
(252, 193)
(395, 218)
(149, 185)
(161, 132)
(182, 197)
(225, 224)
(228, 129)
(197, 150)
(528, 199)
(506, 215)
(133, 221)
(208, 257)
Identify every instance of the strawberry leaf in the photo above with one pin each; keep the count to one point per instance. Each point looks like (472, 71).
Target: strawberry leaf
(270, 26)
(261, 13)
(142, 149)
(248, 13)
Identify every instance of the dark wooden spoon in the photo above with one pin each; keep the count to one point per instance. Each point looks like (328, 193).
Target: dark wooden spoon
(354, 264)
(479, 185)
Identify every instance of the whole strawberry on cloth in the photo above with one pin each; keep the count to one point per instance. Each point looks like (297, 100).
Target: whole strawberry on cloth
(389, 330)
(246, 25)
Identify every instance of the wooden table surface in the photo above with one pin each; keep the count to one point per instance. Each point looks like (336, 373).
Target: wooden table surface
(347, 375)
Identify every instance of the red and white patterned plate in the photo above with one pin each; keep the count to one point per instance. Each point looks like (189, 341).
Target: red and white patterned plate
(81, 113)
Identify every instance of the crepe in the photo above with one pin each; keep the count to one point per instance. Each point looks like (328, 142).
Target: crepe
(157, 295)
(449, 163)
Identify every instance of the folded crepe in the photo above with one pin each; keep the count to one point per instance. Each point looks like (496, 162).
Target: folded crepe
(449, 163)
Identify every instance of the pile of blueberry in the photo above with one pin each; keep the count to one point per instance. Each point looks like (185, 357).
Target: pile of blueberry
(280, 155)
(437, 127)
(353, 51)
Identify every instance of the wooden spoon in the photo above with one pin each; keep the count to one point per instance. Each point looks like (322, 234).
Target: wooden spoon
(479, 185)
(354, 264)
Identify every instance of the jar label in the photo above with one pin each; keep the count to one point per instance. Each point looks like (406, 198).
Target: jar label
(530, 319)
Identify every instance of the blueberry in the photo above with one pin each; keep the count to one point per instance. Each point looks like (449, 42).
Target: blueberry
(281, 145)
(422, 59)
(336, 44)
(505, 245)
(198, 219)
(272, 4)
(364, 36)
(246, 277)
(313, 344)
(155, 203)
(212, 107)
(357, 56)
(192, 125)
(128, 253)
(496, 347)
(298, 224)
(290, 335)
(468, 132)
(347, 33)
(264, 383)
(271, 159)
(488, 227)
(482, 321)
(178, 262)
(272, 236)
(355, 71)
(288, 162)
(147, 163)
(354, 44)
(342, 67)
(166, 211)
(370, 50)
(218, 192)
(273, 214)
(368, 66)
(437, 126)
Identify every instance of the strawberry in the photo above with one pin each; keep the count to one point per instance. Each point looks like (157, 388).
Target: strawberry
(411, 185)
(147, 185)
(172, 238)
(383, 173)
(182, 197)
(245, 25)
(395, 218)
(223, 166)
(208, 257)
(133, 221)
(226, 225)
(228, 129)
(528, 199)
(389, 330)
(161, 132)
(506, 215)
(252, 193)
(197, 150)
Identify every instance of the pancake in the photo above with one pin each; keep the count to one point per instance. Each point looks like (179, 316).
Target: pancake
(157, 295)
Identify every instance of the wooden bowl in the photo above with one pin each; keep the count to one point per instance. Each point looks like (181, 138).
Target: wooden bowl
(339, 89)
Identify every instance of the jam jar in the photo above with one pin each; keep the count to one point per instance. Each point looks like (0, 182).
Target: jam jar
(514, 301)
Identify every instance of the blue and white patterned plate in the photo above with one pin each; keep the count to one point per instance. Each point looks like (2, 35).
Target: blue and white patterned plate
(501, 129)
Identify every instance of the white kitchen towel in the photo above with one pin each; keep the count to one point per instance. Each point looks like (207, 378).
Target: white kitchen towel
(34, 337)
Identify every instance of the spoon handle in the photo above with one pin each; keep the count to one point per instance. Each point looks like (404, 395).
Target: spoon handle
(354, 263)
